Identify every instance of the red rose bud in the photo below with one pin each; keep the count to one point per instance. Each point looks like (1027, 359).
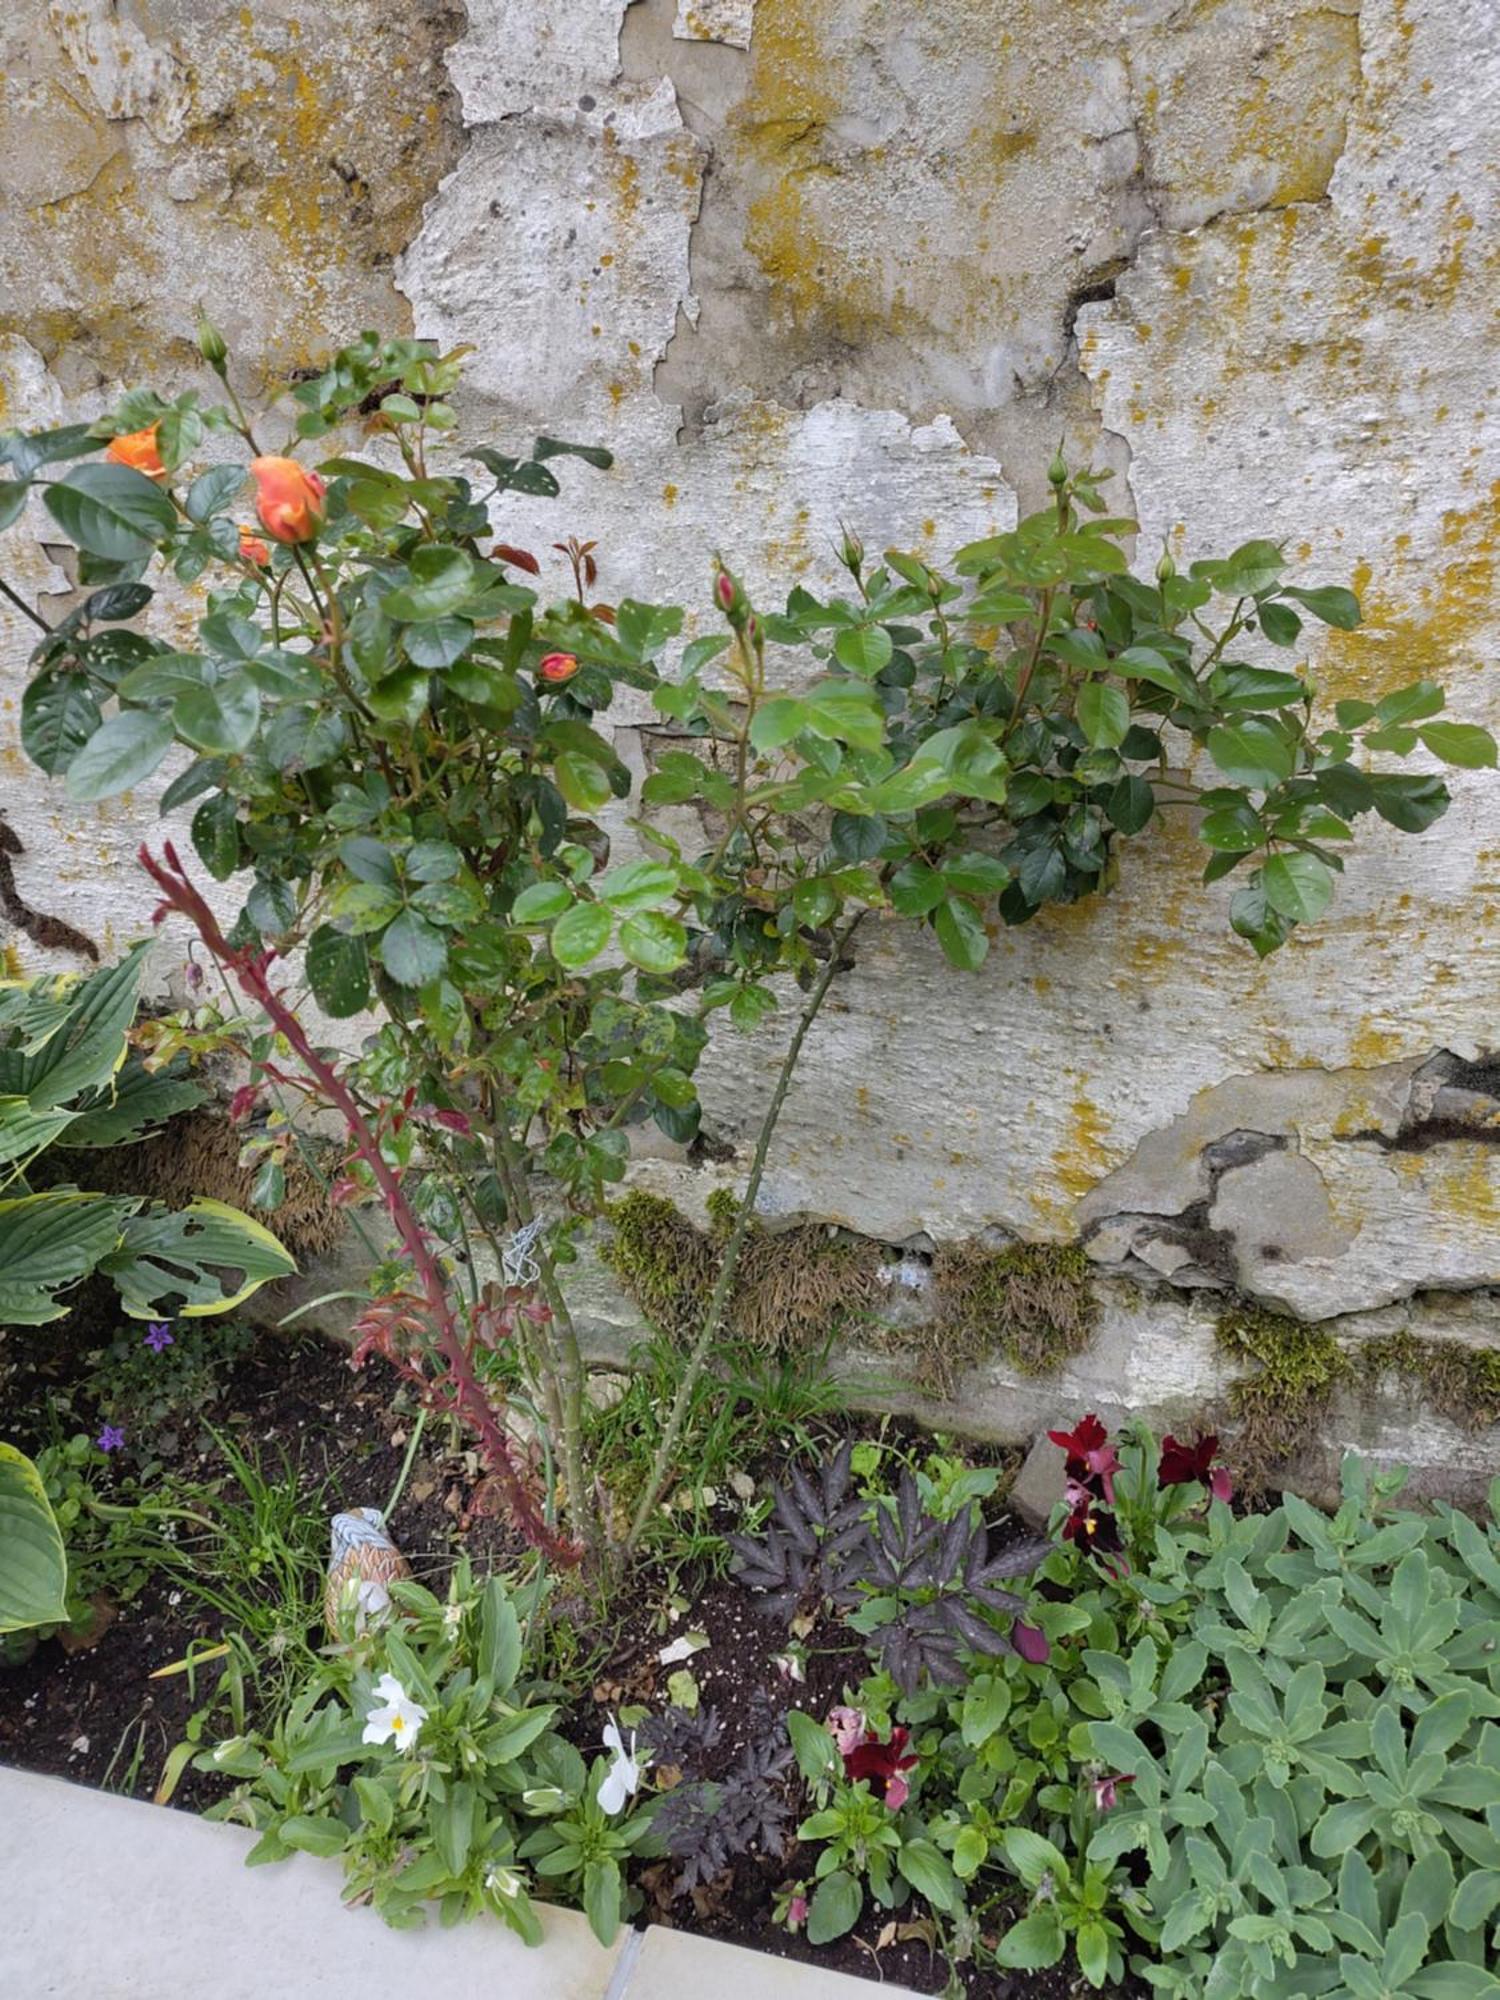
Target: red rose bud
(558, 667)
(730, 597)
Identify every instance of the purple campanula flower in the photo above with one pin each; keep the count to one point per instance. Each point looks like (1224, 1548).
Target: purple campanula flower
(158, 1335)
(110, 1438)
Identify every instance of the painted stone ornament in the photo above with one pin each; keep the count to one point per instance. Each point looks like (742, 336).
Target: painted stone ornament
(363, 1564)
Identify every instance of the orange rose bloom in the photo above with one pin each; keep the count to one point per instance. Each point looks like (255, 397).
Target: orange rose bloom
(288, 499)
(137, 449)
(253, 549)
(558, 667)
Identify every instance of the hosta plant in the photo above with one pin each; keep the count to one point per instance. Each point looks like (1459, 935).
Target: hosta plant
(70, 1079)
(388, 729)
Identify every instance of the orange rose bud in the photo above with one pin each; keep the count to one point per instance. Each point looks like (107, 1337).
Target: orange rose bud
(558, 667)
(253, 549)
(137, 449)
(288, 499)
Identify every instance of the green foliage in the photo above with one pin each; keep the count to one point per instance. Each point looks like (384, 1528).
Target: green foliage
(1262, 1758)
(444, 1818)
(67, 1078)
(34, 1571)
(1316, 1771)
(159, 1398)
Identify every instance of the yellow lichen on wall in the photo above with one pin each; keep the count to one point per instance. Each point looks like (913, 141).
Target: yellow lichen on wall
(291, 172)
(1427, 614)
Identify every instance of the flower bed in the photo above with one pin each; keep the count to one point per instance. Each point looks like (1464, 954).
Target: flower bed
(1166, 1745)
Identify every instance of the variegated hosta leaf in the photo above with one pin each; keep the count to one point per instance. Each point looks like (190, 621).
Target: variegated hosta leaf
(33, 1562)
(24, 1131)
(132, 1104)
(86, 1044)
(47, 1243)
(208, 1255)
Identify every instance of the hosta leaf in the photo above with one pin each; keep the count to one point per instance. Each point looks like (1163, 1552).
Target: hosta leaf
(33, 1563)
(84, 1042)
(208, 1255)
(47, 1243)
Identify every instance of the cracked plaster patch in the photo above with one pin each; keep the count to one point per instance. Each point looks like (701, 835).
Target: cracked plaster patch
(518, 54)
(727, 21)
(129, 75)
(1319, 1192)
(559, 248)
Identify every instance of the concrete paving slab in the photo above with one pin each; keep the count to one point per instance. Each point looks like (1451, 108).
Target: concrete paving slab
(103, 1898)
(674, 1965)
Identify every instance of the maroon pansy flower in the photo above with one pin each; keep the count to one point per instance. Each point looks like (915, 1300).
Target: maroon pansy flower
(1093, 1529)
(1185, 1464)
(883, 1766)
(1091, 1456)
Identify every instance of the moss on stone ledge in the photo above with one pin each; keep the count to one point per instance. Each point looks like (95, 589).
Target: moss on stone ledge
(794, 1286)
(1032, 1302)
(1278, 1404)
(1462, 1382)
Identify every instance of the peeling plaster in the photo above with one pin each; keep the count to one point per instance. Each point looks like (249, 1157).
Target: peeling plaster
(128, 75)
(728, 21)
(519, 54)
(1318, 1192)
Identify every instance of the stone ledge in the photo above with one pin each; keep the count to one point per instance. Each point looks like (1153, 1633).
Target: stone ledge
(119, 1900)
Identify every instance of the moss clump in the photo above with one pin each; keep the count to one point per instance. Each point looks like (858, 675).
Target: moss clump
(197, 1154)
(1463, 1382)
(666, 1263)
(1276, 1407)
(793, 1286)
(1032, 1302)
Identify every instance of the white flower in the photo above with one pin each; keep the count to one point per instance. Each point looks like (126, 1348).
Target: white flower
(371, 1601)
(503, 1881)
(622, 1780)
(397, 1718)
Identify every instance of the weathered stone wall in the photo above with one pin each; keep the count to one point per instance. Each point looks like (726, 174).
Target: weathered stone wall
(803, 259)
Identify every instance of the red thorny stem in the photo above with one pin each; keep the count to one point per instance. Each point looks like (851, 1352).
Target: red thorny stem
(468, 1397)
